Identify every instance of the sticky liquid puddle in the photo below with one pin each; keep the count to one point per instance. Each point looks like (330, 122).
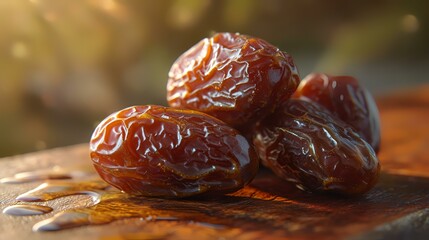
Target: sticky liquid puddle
(223, 214)
(27, 210)
(52, 190)
(50, 174)
(108, 205)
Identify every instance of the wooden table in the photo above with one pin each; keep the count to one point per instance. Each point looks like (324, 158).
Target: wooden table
(397, 208)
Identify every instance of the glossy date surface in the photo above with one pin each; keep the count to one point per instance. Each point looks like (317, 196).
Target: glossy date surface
(164, 152)
(346, 99)
(303, 143)
(235, 78)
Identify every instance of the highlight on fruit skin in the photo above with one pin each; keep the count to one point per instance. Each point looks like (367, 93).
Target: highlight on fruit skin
(319, 133)
(236, 78)
(302, 142)
(346, 99)
(164, 152)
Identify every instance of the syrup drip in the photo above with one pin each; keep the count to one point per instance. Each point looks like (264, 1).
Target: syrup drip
(250, 212)
(115, 205)
(26, 210)
(110, 205)
(52, 190)
(55, 173)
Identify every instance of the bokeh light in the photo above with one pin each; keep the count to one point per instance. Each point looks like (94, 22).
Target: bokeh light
(65, 65)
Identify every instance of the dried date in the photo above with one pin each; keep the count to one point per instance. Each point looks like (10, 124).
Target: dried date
(236, 78)
(164, 152)
(303, 143)
(346, 99)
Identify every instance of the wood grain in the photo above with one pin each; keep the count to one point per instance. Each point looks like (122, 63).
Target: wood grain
(269, 208)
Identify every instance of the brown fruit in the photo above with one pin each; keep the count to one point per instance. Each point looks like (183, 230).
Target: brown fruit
(236, 78)
(303, 143)
(347, 100)
(164, 152)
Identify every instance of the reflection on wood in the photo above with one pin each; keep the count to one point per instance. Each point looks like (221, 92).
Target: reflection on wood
(268, 208)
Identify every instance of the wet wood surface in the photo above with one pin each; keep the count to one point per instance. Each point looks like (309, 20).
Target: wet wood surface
(269, 208)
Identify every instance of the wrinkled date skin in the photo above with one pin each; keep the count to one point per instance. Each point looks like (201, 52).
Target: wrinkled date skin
(346, 99)
(235, 78)
(303, 143)
(163, 152)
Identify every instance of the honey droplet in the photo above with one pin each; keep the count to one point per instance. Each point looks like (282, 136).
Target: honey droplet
(55, 173)
(26, 210)
(31, 177)
(52, 190)
(109, 205)
(117, 205)
(63, 220)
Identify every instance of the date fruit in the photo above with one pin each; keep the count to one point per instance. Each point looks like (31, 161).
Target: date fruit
(303, 143)
(235, 78)
(163, 152)
(346, 99)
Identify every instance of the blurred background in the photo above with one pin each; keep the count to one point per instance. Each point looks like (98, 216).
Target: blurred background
(65, 65)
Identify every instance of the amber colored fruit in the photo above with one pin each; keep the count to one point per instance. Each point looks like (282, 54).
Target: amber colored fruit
(302, 142)
(236, 78)
(164, 152)
(346, 99)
